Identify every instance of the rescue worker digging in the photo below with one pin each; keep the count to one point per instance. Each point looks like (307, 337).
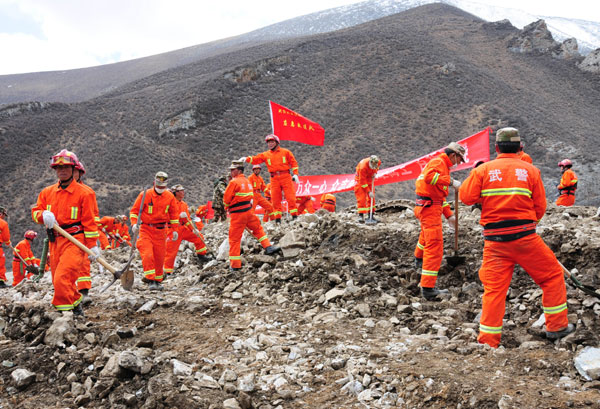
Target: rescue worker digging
(568, 184)
(279, 162)
(365, 197)
(432, 187)
(258, 186)
(238, 201)
(185, 231)
(158, 212)
(328, 202)
(23, 248)
(513, 201)
(71, 206)
(4, 239)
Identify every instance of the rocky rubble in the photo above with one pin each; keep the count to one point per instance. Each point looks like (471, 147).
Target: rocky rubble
(335, 321)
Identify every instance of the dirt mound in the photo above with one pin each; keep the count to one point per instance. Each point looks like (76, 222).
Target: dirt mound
(336, 320)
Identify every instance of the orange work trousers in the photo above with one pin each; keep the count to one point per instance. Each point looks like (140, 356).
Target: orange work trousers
(104, 244)
(534, 256)
(565, 200)
(183, 233)
(84, 281)
(152, 244)
(431, 239)
(306, 206)
(329, 208)
(258, 199)
(237, 224)
(283, 182)
(19, 272)
(65, 263)
(2, 265)
(363, 201)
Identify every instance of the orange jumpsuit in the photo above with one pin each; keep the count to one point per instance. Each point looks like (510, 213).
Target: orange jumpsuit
(84, 281)
(523, 156)
(18, 268)
(279, 162)
(4, 239)
(159, 212)
(447, 212)
(513, 201)
(74, 209)
(328, 202)
(258, 186)
(107, 223)
(364, 178)
(267, 217)
(567, 188)
(185, 231)
(304, 204)
(201, 214)
(123, 231)
(238, 201)
(432, 189)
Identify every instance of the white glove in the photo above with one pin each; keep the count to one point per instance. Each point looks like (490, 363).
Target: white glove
(183, 215)
(451, 220)
(455, 183)
(371, 194)
(96, 251)
(312, 199)
(117, 235)
(134, 228)
(295, 178)
(242, 159)
(175, 236)
(49, 219)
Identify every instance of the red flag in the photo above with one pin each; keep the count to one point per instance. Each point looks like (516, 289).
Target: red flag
(290, 126)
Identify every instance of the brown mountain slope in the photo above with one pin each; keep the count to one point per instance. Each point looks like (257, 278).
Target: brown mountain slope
(386, 87)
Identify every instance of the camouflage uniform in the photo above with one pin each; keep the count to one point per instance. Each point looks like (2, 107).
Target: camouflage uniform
(218, 190)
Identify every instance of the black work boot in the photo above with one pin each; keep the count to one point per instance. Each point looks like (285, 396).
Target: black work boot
(78, 311)
(3, 284)
(560, 333)
(203, 258)
(234, 268)
(155, 286)
(278, 221)
(85, 296)
(431, 294)
(271, 250)
(418, 263)
(361, 218)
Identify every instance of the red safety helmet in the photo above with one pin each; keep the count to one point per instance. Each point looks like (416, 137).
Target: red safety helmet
(30, 234)
(565, 162)
(272, 137)
(256, 167)
(64, 157)
(79, 166)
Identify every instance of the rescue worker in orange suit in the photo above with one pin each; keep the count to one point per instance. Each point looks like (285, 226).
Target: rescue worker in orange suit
(304, 204)
(4, 239)
(159, 212)
(201, 214)
(109, 228)
(279, 162)
(186, 230)
(432, 187)
(568, 184)
(523, 156)
(258, 186)
(23, 248)
(70, 205)
(121, 232)
(513, 201)
(267, 217)
(328, 202)
(365, 174)
(238, 201)
(449, 215)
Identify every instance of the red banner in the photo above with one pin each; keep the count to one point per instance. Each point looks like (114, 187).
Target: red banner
(290, 126)
(477, 148)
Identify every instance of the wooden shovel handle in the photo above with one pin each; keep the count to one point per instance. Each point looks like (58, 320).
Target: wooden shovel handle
(82, 247)
(455, 220)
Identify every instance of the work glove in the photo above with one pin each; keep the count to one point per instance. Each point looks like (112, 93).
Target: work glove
(134, 228)
(312, 199)
(32, 269)
(371, 195)
(117, 235)
(242, 159)
(455, 183)
(295, 178)
(175, 236)
(451, 221)
(49, 219)
(183, 215)
(96, 253)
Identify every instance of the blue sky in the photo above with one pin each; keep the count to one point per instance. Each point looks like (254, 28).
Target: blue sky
(43, 35)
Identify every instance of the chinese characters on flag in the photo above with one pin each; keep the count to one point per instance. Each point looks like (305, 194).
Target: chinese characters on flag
(290, 126)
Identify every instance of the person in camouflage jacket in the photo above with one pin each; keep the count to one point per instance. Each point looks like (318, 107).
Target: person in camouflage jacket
(217, 204)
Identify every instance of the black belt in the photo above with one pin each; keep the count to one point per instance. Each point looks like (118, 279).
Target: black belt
(425, 201)
(508, 230)
(73, 228)
(329, 201)
(279, 172)
(156, 225)
(246, 203)
(567, 192)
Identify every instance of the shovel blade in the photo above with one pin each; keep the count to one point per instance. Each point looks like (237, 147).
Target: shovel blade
(455, 260)
(127, 280)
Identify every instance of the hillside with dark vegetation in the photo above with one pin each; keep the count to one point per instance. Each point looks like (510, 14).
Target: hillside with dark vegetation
(398, 87)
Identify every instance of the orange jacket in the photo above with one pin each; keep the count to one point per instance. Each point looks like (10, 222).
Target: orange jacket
(523, 156)
(24, 249)
(327, 198)
(364, 174)
(238, 195)
(108, 223)
(123, 231)
(257, 182)
(158, 208)
(73, 205)
(4, 232)
(435, 178)
(508, 189)
(277, 160)
(568, 182)
(202, 211)
(183, 207)
(446, 211)
(96, 210)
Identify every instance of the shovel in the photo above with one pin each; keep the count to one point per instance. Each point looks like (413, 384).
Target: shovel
(589, 290)
(371, 220)
(43, 260)
(125, 275)
(455, 260)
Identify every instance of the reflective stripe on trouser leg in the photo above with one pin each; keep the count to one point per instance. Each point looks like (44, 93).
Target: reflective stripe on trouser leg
(420, 246)
(68, 262)
(237, 224)
(152, 247)
(84, 281)
(172, 247)
(198, 242)
(257, 230)
(363, 201)
(433, 243)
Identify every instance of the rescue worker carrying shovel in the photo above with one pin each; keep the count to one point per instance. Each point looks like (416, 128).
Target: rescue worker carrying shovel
(513, 200)
(432, 187)
(364, 189)
(24, 264)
